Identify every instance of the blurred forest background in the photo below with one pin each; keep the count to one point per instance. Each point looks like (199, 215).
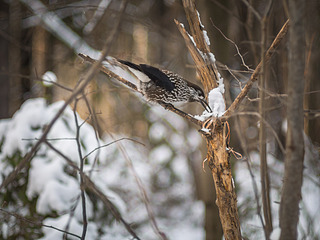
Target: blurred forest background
(31, 45)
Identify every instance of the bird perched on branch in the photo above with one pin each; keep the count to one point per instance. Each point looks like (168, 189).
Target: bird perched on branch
(160, 86)
(165, 86)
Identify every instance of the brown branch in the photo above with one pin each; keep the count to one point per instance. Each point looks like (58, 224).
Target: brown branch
(166, 106)
(264, 173)
(83, 197)
(108, 72)
(276, 42)
(219, 164)
(108, 144)
(234, 44)
(198, 47)
(177, 111)
(203, 65)
(217, 154)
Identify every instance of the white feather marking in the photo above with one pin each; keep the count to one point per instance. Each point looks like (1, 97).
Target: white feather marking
(140, 75)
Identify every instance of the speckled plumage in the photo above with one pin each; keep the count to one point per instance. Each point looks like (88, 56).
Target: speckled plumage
(165, 86)
(181, 92)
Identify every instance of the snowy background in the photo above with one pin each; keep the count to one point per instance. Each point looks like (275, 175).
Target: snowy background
(53, 186)
(50, 189)
(47, 193)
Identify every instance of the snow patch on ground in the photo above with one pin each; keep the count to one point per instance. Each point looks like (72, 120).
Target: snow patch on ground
(57, 190)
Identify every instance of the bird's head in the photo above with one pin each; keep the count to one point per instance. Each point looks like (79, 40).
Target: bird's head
(197, 95)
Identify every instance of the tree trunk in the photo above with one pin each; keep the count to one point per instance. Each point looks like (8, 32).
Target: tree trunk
(219, 163)
(15, 91)
(291, 194)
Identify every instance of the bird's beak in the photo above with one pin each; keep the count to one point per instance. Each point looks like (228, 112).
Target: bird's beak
(205, 105)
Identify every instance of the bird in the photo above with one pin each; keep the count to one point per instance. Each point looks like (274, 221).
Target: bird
(163, 86)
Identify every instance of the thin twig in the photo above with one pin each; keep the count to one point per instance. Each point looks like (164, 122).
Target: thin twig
(235, 77)
(71, 215)
(252, 9)
(254, 183)
(47, 139)
(37, 223)
(268, 124)
(235, 45)
(36, 79)
(108, 144)
(264, 173)
(95, 125)
(144, 195)
(83, 197)
(88, 184)
(276, 42)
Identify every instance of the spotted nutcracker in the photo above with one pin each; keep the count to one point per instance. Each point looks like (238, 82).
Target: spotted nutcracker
(164, 86)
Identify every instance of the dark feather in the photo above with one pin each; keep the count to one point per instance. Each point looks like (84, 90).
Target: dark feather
(158, 77)
(130, 64)
(155, 74)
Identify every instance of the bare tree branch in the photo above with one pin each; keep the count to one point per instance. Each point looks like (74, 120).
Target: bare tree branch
(248, 162)
(166, 106)
(252, 9)
(264, 173)
(276, 42)
(235, 45)
(144, 195)
(83, 197)
(217, 154)
(108, 144)
(204, 62)
(96, 128)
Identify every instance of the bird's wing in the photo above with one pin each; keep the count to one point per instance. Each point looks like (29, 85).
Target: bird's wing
(158, 77)
(130, 64)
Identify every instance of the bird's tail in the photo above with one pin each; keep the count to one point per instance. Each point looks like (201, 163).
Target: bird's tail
(115, 69)
(125, 71)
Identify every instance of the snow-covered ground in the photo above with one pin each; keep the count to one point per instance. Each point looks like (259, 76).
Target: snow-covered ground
(55, 186)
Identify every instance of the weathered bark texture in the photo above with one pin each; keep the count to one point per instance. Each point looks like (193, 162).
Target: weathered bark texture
(204, 63)
(218, 155)
(219, 163)
(291, 194)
